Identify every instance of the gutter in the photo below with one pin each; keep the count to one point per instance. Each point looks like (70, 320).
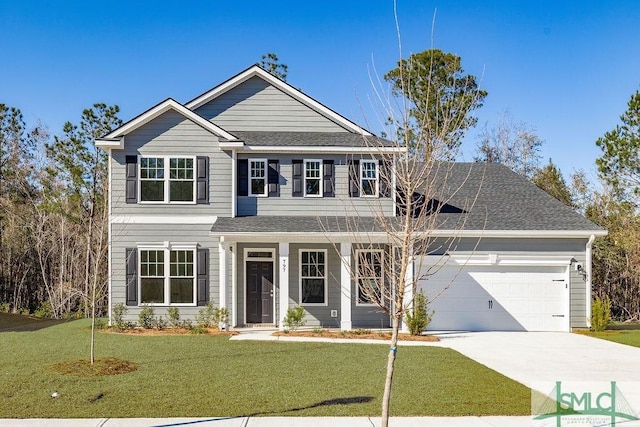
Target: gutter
(588, 268)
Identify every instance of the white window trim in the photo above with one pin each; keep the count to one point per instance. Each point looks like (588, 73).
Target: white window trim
(167, 247)
(361, 179)
(304, 172)
(167, 161)
(357, 261)
(326, 285)
(264, 178)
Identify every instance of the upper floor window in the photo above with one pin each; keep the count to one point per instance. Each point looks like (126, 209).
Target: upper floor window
(167, 179)
(312, 178)
(258, 177)
(369, 178)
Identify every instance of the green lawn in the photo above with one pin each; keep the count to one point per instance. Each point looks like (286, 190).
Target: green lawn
(197, 375)
(623, 333)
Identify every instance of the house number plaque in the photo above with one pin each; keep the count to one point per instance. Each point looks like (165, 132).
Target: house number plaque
(284, 265)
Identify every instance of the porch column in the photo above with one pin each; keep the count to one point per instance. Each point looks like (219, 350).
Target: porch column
(223, 250)
(345, 286)
(408, 291)
(283, 279)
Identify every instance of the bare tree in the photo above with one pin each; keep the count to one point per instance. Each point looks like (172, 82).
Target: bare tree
(430, 195)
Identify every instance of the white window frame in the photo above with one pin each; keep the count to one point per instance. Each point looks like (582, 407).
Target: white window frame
(320, 189)
(362, 178)
(326, 271)
(167, 248)
(264, 178)
(166, 179)
(358, 276)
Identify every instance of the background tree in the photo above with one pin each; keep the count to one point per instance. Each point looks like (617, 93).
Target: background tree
(619, 164)
(439, 97)
(270, 63)
(550, 180)
(511, 143)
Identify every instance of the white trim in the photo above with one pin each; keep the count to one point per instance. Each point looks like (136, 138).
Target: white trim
(234, 285)
(166, 179)
(588, 285)
(357, 266)
(166, 248)
(256, 71)
(567, 299)
(320, 177)
(163, 219)
(272, 260)
(325, 279)
(234, 198)
(109, 242)
(495, 259)
(109, 144)
(264, 178)
(153, 112)
(223, 252)
(230, 145)
(318, 149)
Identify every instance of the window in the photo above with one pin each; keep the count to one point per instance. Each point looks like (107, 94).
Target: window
(369, 178)
(313, 178)
(313, 277)
(156, 185)
(258, 178)
(370, 275)
(158, 287)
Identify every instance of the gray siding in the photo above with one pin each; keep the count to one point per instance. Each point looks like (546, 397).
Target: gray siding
(255, 105)
(578, 296)
(131, 235)
(172, 134)
(339, 205)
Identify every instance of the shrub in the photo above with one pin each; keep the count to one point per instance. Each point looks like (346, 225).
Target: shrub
(173, 316)
(198, 331)
(293, 319)
(117, 316)
(5, 307)
(205, 316)
(44, 310)
(361, 331)
(220, 316)
(159, 323)
(101, 324)
(419, 318)
(146, 317)
(600, 314)
(24, 311)
(187, 324)
(318, 330)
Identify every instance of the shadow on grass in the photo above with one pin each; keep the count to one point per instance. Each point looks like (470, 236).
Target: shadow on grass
(20, 323)
(631, 326)
(329, 402)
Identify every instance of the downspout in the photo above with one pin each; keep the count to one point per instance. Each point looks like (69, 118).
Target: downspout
(109, 235)
(588, 267)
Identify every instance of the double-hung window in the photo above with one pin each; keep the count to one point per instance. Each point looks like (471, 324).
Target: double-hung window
(258, 177)
(370, 276)
(369, 178)
(167, 276)
(313, 178)
(313, 277)
(167, 179)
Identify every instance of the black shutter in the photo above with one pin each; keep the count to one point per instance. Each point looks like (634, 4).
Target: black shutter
(296, 176)
(385, 179)
(131, 190)
(273, 179)
(328, 181)
(243, 177)
(203, 276)
(354, 178)
(132, 276)
(202, 180)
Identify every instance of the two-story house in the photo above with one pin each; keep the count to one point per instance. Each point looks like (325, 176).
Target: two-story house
(239, 197)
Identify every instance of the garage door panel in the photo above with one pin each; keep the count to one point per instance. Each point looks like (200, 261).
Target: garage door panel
(497, 298)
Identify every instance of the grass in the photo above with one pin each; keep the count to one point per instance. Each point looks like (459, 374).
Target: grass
(622, 333)
(206, 376)
(16, 322)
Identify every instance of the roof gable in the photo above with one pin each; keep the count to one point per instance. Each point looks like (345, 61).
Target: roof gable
(114, 139)
(256, 71)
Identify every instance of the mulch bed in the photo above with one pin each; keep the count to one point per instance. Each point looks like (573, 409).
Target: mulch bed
(171, 331)
(385, 336)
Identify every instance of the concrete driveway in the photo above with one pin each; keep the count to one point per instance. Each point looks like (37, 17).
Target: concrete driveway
(534, 357)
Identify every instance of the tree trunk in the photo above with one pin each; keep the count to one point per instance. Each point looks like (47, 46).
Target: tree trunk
(393, 350)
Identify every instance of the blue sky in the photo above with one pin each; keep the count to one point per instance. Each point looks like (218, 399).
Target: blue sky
(566, 68)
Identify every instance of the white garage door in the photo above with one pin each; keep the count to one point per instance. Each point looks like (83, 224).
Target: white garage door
(498, 298)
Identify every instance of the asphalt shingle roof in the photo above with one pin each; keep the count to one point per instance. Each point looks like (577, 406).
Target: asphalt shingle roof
(486, 197)
(310, 139)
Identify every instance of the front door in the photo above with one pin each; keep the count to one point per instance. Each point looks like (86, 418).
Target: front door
(259, 292)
